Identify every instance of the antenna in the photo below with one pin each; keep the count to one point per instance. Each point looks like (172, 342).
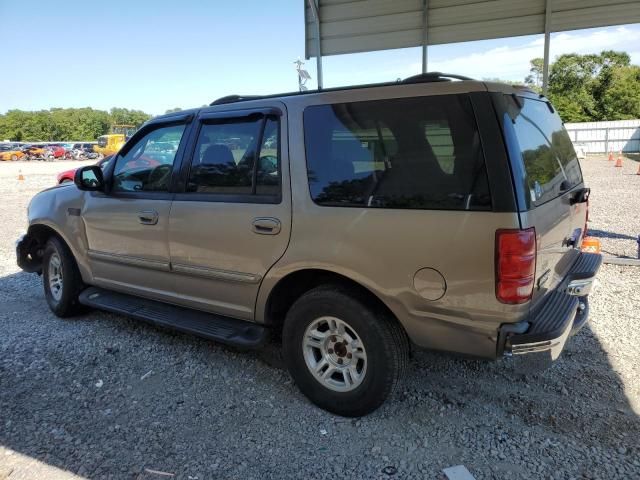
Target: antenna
(303, 75)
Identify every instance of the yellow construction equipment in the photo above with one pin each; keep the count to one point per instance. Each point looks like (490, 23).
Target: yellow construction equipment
(111, 143)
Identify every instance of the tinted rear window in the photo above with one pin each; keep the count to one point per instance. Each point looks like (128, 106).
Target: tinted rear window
(550, 162)
(421, 153)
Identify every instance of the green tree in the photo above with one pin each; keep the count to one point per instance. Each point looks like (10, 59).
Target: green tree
(65, 123)
(592, 87)
(123, 116)
(534, 79)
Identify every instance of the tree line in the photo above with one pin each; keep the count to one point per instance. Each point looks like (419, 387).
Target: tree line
(59, 124)
(590, 88)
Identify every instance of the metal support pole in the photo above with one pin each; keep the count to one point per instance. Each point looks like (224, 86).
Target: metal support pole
(316, 16)
(425, 34)
(547, 41)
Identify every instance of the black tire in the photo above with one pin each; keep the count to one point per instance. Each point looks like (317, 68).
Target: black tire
(384, 340)
(63, 302)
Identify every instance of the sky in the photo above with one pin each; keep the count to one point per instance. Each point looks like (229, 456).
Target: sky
(154, 55)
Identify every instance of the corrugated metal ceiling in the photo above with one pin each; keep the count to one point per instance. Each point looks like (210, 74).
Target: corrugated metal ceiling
(349, 26)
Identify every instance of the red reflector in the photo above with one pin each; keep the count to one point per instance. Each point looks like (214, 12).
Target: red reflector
(515, 265)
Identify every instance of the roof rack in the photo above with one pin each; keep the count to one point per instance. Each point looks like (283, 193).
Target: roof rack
(421, 78)
(434, 77)
(234, 98)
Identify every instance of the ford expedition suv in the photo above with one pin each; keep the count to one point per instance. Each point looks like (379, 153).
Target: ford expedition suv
(353, 224)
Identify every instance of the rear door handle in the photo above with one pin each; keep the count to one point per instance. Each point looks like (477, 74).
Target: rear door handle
(266, 226)
(148, 217)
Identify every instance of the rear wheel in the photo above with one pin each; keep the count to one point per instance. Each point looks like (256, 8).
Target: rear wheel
(345, 355)
(14, 157)
(61, 279)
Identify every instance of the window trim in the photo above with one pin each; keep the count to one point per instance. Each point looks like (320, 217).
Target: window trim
(478, 130)
(209, 118)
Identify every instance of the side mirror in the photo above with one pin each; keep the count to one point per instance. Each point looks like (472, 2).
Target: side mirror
(89, 178)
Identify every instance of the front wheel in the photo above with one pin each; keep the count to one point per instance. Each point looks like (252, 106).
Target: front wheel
(61, 279)
(344, 354)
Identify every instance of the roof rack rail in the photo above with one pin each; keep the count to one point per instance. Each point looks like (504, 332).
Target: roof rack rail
(233, 98)
(421, 78)
(434, 77)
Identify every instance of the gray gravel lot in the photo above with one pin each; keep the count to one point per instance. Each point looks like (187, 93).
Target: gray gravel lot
(102, 396)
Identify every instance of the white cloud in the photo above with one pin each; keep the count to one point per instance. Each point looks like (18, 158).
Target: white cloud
(512, 63)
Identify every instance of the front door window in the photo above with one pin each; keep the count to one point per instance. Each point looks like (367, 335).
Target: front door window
(147, 166)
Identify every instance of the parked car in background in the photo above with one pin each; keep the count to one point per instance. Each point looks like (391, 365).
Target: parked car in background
(34, 152)
(11, 153)
(10, 145)
(82, 151)
(68, 175)
(353, 225)
(54, 150)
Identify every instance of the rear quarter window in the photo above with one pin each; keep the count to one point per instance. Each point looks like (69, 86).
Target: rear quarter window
(408, 153)
(550, 163)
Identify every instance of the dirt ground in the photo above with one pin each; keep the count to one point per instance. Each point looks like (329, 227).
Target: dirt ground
(102, 396)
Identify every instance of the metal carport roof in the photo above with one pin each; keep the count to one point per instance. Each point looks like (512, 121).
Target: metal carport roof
(350, 26)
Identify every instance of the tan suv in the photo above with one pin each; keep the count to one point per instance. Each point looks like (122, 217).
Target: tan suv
(353, 224)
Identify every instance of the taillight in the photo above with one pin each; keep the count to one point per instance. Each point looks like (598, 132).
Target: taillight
(515, 265)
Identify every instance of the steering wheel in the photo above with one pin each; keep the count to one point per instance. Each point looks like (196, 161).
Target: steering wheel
(158, 177)
(268, 164)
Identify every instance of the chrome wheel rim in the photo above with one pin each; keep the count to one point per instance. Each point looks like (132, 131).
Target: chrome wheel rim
(55, 276)
(334, 354)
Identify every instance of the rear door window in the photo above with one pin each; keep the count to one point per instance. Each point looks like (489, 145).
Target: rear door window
(409, 153)
(237, 157)
(224, 157)
(550, 162)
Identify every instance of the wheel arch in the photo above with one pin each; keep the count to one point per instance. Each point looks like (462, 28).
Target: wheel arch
(294, 284)
(36, 238)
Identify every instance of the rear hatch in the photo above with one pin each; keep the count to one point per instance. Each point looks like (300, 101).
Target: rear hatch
(548, 184)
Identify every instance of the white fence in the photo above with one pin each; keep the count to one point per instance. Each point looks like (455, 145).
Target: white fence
(602, 137)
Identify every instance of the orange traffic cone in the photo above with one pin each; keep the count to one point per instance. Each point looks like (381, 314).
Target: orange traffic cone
(610, 156)
(20, 176)
(619, 160)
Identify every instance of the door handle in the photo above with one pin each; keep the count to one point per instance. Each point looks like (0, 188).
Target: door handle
(148, 217)
(266, 226)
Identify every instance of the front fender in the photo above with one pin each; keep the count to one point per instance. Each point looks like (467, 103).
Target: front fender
(57, 211)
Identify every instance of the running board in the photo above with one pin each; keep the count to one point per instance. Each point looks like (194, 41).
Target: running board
(208, 325)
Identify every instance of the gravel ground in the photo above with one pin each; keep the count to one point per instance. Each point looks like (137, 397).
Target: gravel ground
(101, 396)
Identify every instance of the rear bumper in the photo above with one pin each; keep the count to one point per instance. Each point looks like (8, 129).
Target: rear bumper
(562, 314)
